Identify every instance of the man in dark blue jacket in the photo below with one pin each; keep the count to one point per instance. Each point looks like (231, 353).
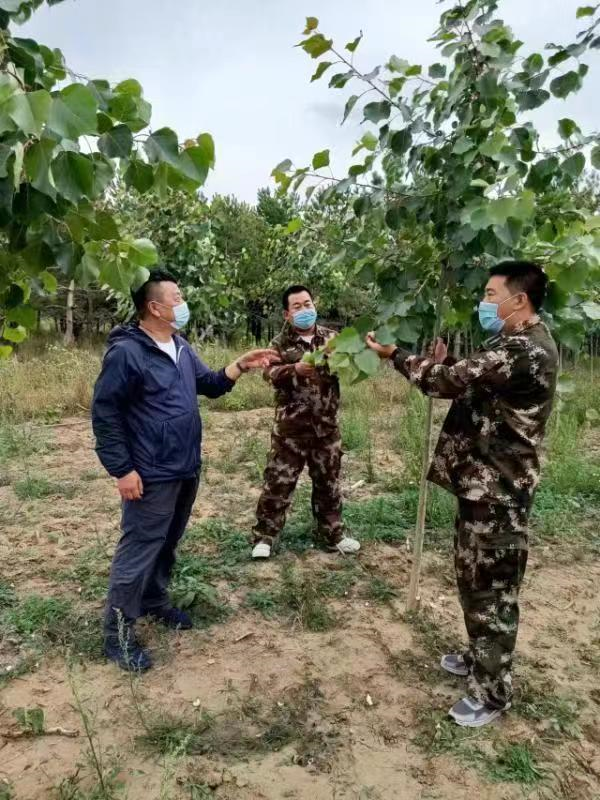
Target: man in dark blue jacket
(148, 434)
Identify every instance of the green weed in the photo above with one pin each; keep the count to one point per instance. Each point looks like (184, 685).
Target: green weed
(39, 488)
(264, 601)
(539, 703)
(515, 763)
(300, 595)
(380, 590)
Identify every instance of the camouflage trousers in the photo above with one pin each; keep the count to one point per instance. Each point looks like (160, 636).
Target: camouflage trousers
(490, 556)
(286, 460)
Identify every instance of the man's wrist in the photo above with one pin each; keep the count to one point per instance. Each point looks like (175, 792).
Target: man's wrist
(239, 364)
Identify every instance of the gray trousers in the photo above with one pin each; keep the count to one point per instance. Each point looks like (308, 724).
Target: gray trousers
(145, 555)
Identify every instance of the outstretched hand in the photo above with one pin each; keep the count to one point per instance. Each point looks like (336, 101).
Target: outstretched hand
(382, 350)
(259, 359)
(440, 351)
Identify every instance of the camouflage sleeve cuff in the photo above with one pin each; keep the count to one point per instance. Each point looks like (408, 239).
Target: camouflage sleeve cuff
(398, 359)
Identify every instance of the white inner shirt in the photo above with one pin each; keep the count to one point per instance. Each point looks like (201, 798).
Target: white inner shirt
(170, 348)
(308, 339)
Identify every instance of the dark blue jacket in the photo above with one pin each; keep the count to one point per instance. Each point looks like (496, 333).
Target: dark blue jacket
(145, 409)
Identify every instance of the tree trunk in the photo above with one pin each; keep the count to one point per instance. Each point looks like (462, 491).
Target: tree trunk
(413, 588)
(457, 345)
(69, 338)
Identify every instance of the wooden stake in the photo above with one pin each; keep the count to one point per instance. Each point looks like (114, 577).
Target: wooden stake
(413, 588)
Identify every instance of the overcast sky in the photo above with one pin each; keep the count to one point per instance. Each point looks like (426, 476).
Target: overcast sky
(230, 67)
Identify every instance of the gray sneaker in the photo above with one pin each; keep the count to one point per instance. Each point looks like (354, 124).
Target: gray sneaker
(454, 663)
(470, 713)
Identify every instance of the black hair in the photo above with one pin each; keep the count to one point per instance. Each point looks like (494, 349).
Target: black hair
(524, 276)
(295, 289)
(145, 292)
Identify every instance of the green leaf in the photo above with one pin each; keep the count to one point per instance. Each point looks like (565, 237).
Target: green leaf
(393, 218)
(139, 175)
(49, 282)
(30, 719)
(437, 71)
(350, 103)
(377, 111)
(316, 45)
(15, 335)
(117, 142)
(396, 64)
(586, 11)
(73, 175)
(193, 163)
(595, 157)
(566, 84)
(351, 46)
(37, 166)
(591, 310)
(103, 174)
(574, 165)
(130, 109)
(532, 99)
(369, 141)
(348, 341)
(367, 361)
(339, 80)
(5, 351)
(29, 111)
(566, 128)
(401, 141)
(142, 253)
(162, 146)
(321, 69)
(293, 225)
(416, 69)
(22, 315)
(312, 23)
(321, 159)
(73, 112)
(207, 143)
(130, 87)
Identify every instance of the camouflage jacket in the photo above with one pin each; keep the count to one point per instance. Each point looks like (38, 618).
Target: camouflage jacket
(488, 449)
(304, 407)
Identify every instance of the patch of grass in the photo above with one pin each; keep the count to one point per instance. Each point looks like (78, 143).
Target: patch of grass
(515, 763)
(45, 622)
(434, 639)
(557, 715)
(245, 727)
(43, 616)
(407, 439)
(338, 583)
(265, 601)
(90, 571)
(379, 590)
(19, 441)
(355, 430)
(390, 517)
(437, 735)
(300, 596)
(7, 595)
(32, 488)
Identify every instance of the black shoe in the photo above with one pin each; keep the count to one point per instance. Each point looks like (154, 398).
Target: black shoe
(130, 656)
(173, 618)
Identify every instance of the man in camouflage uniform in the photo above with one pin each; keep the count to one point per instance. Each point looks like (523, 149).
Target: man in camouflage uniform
(305, 432)
(488, 456)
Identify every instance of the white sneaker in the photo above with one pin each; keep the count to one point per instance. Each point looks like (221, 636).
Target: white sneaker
(348, 546)
(261, 550)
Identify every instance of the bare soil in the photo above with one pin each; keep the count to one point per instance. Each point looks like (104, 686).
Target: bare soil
(372, 728)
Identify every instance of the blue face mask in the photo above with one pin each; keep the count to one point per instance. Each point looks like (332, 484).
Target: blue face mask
(182, 315)
(181, 312)
(305, 319)
(488, 316)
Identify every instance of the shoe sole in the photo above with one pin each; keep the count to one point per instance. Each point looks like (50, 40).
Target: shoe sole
(461, 673)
